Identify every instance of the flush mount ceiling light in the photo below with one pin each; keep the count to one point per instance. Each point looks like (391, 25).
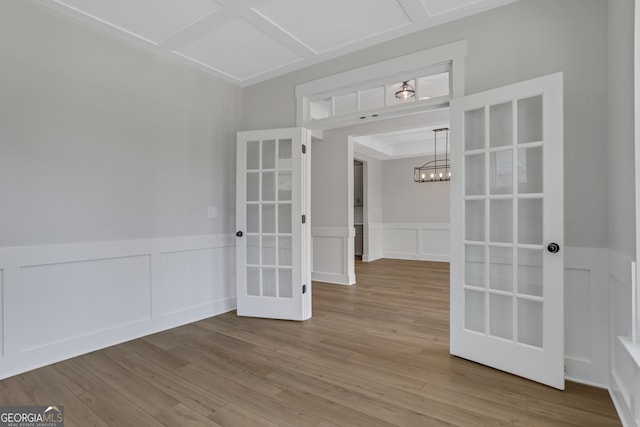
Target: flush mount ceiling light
(406, 91)
(437, 169)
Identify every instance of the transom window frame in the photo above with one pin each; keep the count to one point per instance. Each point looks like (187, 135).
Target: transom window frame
(446, 58)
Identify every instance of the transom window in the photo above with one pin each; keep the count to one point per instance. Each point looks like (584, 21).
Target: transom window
(431, 77)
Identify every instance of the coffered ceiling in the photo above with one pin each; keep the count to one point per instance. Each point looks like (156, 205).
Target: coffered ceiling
(248, 41)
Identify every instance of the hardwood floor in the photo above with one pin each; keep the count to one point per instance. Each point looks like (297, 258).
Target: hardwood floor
(374, 354)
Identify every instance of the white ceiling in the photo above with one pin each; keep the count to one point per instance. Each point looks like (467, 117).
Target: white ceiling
(248, 41)
(403, 143)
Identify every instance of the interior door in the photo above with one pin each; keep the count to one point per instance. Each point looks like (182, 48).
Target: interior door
(507, 268)
(273, 274)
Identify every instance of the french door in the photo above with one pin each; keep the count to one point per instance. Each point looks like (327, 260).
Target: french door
(273, 274)
(507, 268)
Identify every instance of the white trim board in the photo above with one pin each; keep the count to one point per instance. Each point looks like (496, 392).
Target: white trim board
(60, 301)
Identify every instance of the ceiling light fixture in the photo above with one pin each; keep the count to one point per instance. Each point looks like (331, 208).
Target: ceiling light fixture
(437, 169)
(406, 91)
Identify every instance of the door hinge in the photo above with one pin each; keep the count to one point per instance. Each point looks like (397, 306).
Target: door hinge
(304, 149)
(304, 219)
(304, 289)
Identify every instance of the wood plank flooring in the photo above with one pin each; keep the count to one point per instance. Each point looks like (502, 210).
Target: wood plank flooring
(374, 354)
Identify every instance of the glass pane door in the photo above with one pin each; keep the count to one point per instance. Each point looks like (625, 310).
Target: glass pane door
(271, 233)
(506, 287)
(268, 212)
(504, 227)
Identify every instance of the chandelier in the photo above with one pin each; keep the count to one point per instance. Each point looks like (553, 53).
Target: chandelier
(437, 169)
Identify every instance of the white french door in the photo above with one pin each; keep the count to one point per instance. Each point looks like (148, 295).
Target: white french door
(507, 268)
(273, 257)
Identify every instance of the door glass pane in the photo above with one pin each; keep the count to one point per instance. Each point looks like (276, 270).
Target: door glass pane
(284, 185)
(269, 284)
(530, 119)
(474, 310)
(284, 251)
(530, 322)
(501, 316)
(502, 221)
(320, 109)
(253, 282)
(253, 155)
(268, 154)
(253, 218)
(253, 250)
(433, 86)
(474, 129)
(530, 221)
(501, 125)
(268, 186)
(501, 269)
(285, 283)
(372, 99)
(268, 250)
(268, 218)
(284, 154)
(474, 175)
(502, 172)
(530, 271)
(253, 186)
(474, 220)
(474, 265)
(530, 170)
(284, 218)
(345, 104)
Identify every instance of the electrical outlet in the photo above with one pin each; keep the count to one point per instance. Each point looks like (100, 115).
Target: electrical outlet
(212, 212)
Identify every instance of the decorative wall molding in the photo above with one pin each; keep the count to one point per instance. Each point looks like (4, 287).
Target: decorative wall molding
(332, 251)
(420, 241)
(624, 374)
(586, 317)
(373, 242)
(60, 301)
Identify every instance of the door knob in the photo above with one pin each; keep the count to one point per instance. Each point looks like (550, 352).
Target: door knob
(553, 248)
(239, 234)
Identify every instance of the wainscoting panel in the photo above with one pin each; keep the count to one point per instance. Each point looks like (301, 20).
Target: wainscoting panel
(586, 316)
(401, 243)
(332, 252)
(60, 301)
(373, 242)
(1, 313)
(624, 380)
(423, 241)
(188, 279)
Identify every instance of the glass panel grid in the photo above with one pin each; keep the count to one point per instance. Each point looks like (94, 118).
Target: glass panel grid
(269, 267)
(503, 294)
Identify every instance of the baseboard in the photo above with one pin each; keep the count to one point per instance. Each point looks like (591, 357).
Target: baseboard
(372, 257)
(412, 256)
(622, 409)
(336, 279)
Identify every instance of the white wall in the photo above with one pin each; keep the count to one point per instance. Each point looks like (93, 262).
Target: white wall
(416, 215)
(625, 370)
(109, 158)
(407, 201)
(104, 141)
(332, 227)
